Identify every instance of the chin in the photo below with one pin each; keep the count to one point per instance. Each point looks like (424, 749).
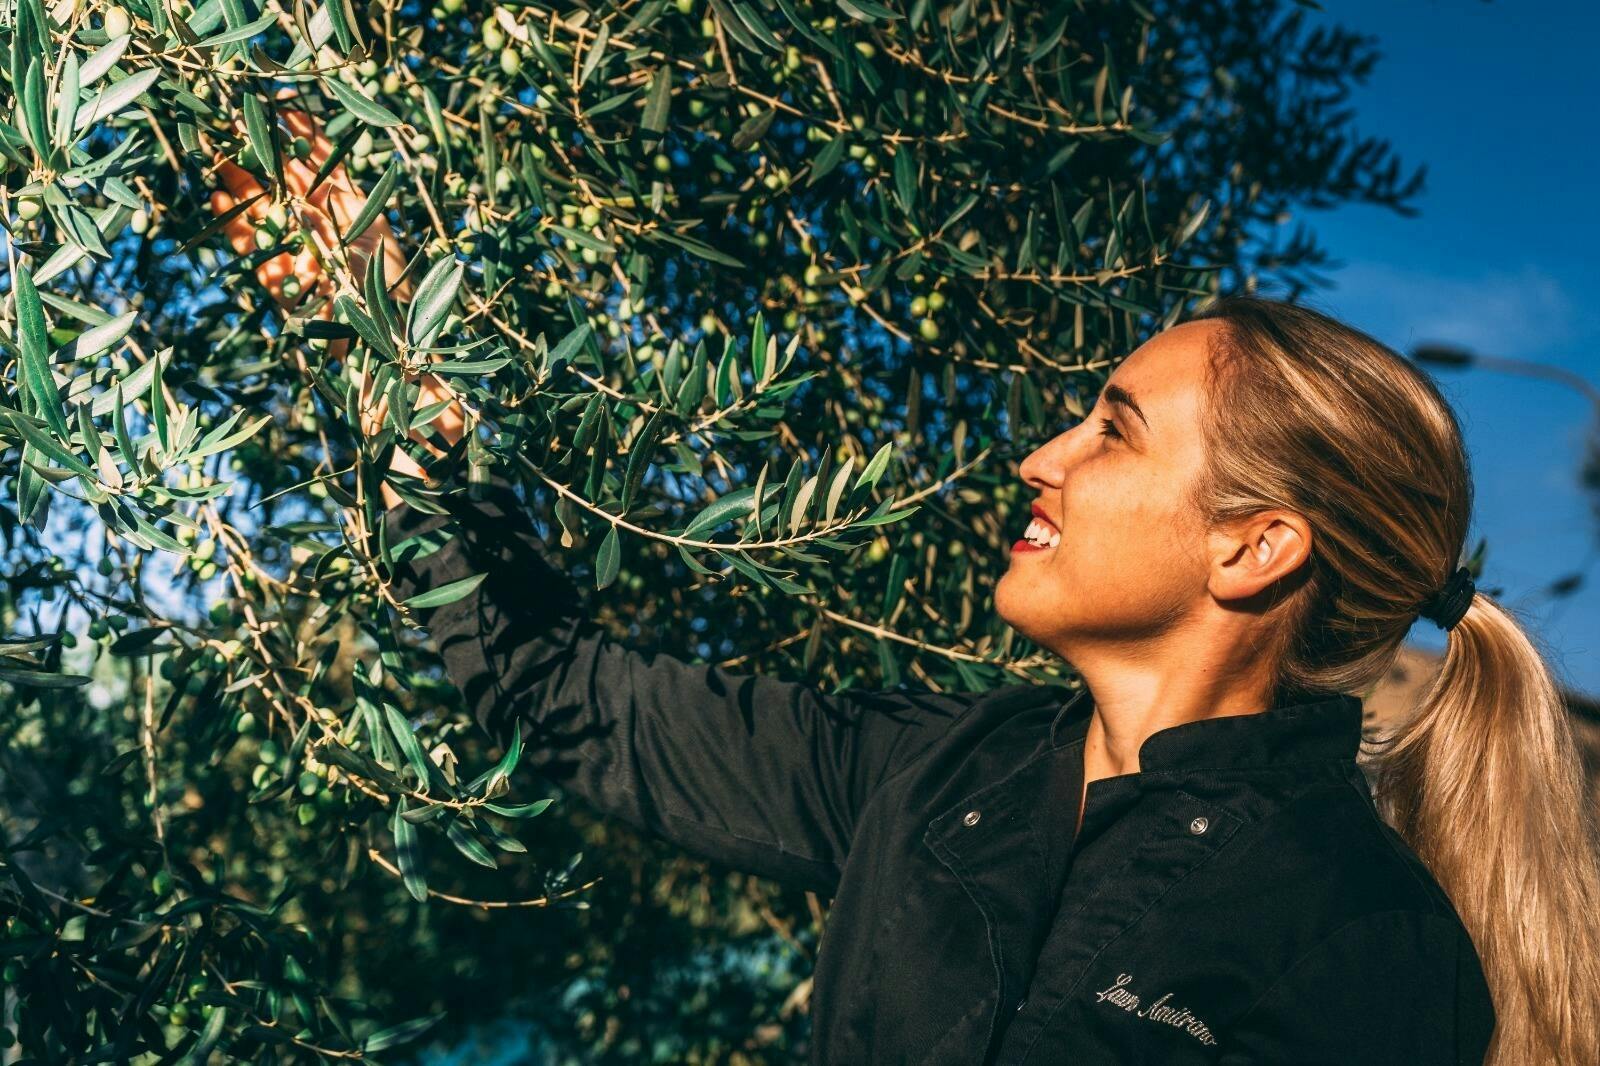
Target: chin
(1012, 596)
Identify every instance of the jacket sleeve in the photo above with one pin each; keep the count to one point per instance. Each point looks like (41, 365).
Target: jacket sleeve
(1400, 987)
(766, 775)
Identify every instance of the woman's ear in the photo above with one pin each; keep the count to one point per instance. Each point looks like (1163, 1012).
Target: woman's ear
(1251, 554)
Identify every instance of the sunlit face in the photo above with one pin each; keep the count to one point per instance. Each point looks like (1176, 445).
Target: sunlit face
(1129, 556)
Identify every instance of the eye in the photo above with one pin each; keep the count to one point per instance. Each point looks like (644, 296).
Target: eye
(1108, 428)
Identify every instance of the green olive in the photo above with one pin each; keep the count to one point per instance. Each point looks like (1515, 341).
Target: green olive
(662, 162)
(117, 21)
(590, 215)
(919, 306)
(929, 329)
(494, 38)
(935, 300)
(510, 62)
(29, 208)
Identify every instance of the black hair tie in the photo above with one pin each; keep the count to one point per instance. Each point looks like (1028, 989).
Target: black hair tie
(1450, 603)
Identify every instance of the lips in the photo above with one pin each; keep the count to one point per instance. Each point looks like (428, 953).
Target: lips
(1041, 522)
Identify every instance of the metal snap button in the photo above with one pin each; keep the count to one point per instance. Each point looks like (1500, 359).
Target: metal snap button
(1198, 826)
(971, 818)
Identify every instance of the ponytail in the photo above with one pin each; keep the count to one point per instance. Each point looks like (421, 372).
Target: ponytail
(1485, 784)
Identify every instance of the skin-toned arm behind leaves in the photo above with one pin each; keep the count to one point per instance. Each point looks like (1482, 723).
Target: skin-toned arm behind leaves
(766, 775)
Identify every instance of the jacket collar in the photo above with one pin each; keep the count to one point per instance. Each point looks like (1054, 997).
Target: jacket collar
(1319, 727)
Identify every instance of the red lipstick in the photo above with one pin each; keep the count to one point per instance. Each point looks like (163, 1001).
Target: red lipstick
(1022, 544)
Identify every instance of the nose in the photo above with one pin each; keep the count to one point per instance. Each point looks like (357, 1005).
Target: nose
(1044, 467)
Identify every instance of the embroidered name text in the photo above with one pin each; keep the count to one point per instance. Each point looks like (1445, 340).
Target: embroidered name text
(1118, 995)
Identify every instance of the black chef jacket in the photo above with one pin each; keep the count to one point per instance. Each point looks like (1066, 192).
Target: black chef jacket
(1238, 900)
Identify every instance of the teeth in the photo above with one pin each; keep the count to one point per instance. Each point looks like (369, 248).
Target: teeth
(1041, 534)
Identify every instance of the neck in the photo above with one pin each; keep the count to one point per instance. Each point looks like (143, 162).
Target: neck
(1133, 699)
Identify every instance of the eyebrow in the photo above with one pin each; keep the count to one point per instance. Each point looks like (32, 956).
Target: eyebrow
(1118, 396)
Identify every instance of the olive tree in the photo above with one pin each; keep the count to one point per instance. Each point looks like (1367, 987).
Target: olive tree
(760, 299)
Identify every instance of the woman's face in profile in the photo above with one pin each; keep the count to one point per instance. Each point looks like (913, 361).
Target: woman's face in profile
(1125, 552)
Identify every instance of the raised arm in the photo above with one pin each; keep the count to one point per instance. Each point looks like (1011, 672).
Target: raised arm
(765, 775)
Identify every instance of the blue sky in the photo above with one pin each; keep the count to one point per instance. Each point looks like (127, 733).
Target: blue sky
(1498, 99)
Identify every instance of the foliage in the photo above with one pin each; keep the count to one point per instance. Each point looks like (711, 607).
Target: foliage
(760, 298)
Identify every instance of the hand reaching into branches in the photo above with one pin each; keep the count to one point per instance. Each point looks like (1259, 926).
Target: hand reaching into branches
(323, 213)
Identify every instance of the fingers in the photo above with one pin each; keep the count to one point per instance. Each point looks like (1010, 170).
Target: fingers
(239, 181)
(241, 228)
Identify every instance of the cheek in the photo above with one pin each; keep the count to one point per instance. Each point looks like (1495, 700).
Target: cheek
(1119, 517)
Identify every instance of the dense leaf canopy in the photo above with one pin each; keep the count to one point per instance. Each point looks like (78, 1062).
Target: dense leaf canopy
(760, 299)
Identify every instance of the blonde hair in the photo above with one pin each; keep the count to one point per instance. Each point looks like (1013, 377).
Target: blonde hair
(1484, 781)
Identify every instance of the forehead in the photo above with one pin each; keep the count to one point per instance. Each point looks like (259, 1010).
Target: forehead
(1167, 374)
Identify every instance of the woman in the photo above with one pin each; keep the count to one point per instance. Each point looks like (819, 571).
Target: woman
(1180, 861)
